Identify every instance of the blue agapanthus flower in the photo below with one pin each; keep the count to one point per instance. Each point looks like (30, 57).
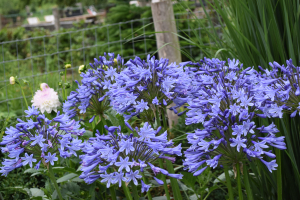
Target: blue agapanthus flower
(283, 92)
(117, 158)
(91, 95)
(144, 85)
(225, 99)
(39, 139)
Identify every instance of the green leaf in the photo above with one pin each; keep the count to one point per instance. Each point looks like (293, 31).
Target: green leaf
(33, 170)
(36, 192)
(189, 179)
(36, 173)
(63, 169)
(66, 177)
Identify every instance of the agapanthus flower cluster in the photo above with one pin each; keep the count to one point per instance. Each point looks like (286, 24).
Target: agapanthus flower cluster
(283, 93)
(146, 84)
(39, 139)
(46, 99)
(115, 158)
(224, 99)
(90, 97)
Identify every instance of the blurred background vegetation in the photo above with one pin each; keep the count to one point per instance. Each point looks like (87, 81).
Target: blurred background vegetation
(254, 31)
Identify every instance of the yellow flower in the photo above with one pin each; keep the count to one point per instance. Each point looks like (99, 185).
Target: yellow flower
(12, 80)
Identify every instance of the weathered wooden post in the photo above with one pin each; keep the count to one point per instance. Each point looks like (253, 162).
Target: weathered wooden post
(164, 21)
(55, 13)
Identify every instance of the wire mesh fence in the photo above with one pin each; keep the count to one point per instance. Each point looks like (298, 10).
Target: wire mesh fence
(40, 59)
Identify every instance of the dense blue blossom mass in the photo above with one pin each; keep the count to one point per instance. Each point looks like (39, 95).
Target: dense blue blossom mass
(117, 158)
(222, 96)
(40, 139)
(226, 99)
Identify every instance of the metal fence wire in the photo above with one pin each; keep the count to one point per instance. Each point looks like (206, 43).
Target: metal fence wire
(40, 59)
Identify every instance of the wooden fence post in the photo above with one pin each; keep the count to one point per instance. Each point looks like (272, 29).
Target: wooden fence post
(164, 21)
(55, 13)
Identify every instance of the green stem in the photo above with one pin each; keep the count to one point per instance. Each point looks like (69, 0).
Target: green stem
(164, 119)
(52, 177)
(279, 177)
(126, 191)
(228, 182)
(146, 182)
(134, 191)
(174, 183)
(157, 117)
(23, 95)
(64, 86)
(247, 183)
(239, 181)
(163, 177)
(113, 192)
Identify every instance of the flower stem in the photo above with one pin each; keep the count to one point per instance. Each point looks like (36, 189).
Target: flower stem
(174, 183)
(134, 191)
(247, 183)
(23, 95)
(279, 177)
(163, 177)
(239, 181)
(146, 182)
(126, 191)
(113, 192)
(228, 182)
(52, 177)
(65, 90)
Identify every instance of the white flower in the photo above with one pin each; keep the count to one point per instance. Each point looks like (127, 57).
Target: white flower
(46, 99)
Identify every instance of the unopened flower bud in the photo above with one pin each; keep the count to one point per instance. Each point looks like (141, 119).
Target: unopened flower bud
(81, 69)
(68, 66)
(115, 61)
(25, 81)
(44, 86)
(60, 84)
(61, 73)
(12, 80)
(67, 85)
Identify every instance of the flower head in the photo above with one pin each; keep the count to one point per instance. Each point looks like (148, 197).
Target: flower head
(67, 66)
(46, 99)
(145, 84)
(225, 99)
(12, 80)
(91, 95)
(81, 69)
(127, 155)
(40, 139)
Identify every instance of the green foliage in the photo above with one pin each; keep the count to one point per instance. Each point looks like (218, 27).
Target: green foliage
(257, 32)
